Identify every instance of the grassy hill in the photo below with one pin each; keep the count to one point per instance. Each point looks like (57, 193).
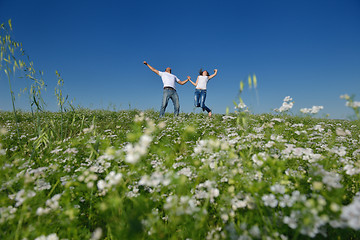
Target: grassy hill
(131, 175)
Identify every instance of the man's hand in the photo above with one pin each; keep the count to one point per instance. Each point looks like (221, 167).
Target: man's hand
(151, 68)
(188, 77)
(215, 70)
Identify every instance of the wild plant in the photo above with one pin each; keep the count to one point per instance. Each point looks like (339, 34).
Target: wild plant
(12, 58)
(241, 108)
(7, 58)
(354, 105)
(60, 100)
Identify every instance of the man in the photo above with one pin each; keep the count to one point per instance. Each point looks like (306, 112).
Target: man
(169, 89)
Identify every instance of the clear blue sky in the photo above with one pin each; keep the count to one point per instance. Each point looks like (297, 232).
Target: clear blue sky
(307, 49)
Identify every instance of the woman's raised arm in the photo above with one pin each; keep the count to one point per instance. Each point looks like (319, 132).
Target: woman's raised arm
(215, 72)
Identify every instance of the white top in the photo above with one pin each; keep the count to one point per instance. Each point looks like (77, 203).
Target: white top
(168, 79)
(202, 81)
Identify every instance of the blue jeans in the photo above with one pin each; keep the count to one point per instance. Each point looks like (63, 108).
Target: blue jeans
(199, 99)
(170, 94)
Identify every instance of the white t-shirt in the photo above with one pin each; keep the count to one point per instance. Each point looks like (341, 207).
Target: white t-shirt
(202, 81)
(168, 79)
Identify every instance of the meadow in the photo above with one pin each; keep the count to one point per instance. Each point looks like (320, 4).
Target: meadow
(132, 175)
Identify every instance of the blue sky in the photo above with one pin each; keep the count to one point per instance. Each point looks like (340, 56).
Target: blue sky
(309, 50)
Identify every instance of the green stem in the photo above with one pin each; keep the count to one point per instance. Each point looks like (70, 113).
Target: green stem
(13, 101)
(90, 210)
(18, 228)
(61, 127)
(58, 181)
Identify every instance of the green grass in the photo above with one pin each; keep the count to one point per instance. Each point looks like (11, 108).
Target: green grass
(132, 175)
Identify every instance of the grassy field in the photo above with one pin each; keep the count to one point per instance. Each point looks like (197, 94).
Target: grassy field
(82, 174)
(130, 175)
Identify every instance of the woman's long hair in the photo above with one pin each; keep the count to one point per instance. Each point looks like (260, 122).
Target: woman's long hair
(201, 72)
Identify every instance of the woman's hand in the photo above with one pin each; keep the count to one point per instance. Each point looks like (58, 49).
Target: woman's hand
(213, 75)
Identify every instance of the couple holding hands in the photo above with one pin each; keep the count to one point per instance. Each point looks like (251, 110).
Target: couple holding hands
(170, 91)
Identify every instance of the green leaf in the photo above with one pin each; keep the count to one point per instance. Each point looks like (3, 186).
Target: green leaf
(235, 103)
(255, 81)
(10, 24)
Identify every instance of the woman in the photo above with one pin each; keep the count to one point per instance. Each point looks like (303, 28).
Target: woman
(200, 91)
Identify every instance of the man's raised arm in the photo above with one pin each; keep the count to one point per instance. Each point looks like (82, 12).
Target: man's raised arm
(151, 68)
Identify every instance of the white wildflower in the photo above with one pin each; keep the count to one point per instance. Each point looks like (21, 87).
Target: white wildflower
(21, 196)
(351, 214)
(286, 106)
(214, 192)
(277, 120)
(351, 170)
(287, 99)
(255, 231)
(41, 211)
(353, 104)
(237, 203)
(113, 178)
(56, 150)
(345, 96)
(313, 110)
(185, 171)
(277, 188)
(101, 184)
(291, 220)
(241, 105)
(296, 196)
(135, 151)
(270, 144)
(71, 151)
(330, 179)
(53, 203)
(224, 217)
(181, 206)
(286, 201)
(334, 207)
(256, 160)
(156, 179)
(52, 236)
(3, 131)
(341, 151)
(96, 235)
(342, 133)
(88, 130)
(211, 191)
(270, 200)
(318, 128)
